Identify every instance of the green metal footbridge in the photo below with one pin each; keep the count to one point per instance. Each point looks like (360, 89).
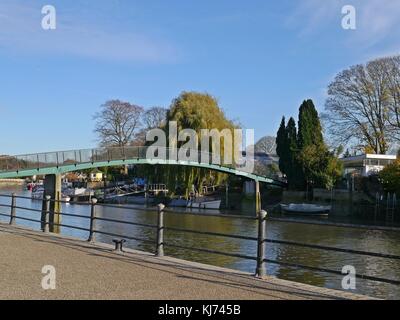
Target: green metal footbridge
(56, 163)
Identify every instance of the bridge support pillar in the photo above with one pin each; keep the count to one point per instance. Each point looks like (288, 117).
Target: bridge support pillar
(52, 188)
(258, 197)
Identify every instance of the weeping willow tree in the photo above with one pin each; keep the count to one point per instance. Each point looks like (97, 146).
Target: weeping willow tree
(196, 111)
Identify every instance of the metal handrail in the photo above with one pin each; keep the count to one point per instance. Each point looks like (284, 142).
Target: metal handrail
(326, 270)
(273, 241)
(327, 248)
(160, 227)
(216, 234)
(235, 255)
(108, 151)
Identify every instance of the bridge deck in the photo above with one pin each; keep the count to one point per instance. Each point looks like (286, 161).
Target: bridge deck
(61, 162)
(86, 271)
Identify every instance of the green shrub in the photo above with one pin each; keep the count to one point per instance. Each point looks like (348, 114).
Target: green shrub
(390, 177)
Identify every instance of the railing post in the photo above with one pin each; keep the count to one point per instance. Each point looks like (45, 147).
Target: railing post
(262, 224)
(160, 231)
(46, 228)
(13, 209)
(92, 220)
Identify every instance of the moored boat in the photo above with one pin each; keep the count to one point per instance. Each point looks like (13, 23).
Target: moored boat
(305, 209)
(196, 203)
(204, 203)
(38, 194)
(178, 202)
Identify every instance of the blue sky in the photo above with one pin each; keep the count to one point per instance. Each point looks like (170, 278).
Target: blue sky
(259, 58)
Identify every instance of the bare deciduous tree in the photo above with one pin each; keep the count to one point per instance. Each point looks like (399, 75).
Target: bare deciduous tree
(154, 117)
(117, 122)
(393, 78)
(363, 105)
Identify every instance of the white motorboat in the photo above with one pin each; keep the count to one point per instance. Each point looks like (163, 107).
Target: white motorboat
(73, 192)
(198, 203)
(306, 209)
(204, 203)
(38, 194)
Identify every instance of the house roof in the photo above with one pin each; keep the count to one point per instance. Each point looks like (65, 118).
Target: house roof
(369, 156)
(96, 171)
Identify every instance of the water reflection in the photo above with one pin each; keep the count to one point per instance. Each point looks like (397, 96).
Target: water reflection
(358, 239)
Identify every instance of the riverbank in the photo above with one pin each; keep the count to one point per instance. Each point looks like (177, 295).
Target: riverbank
(94, 271)
(319, 232)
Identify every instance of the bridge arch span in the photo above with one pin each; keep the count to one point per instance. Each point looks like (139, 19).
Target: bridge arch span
(74, 160)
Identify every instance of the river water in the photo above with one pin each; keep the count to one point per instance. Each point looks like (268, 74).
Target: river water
(359, 239)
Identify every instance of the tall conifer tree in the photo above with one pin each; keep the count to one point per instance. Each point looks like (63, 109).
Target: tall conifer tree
(295, 174)
(281, 146)
(310, 129)
(304, 157)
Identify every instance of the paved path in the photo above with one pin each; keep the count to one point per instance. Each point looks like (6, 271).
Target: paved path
(86, 271)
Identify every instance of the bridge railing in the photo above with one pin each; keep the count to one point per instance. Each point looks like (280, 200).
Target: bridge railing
(161, 228)
(75, 157)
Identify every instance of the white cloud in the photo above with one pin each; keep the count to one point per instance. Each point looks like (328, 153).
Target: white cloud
(20, 31)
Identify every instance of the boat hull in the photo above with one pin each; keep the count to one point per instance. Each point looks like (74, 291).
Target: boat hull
(214, 204)
(306, 209)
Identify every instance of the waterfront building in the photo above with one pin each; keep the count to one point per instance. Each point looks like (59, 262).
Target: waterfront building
(366, 164)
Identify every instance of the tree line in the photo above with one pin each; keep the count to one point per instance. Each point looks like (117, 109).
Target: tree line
(121, 123)
(362, 112)
(304, 158)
